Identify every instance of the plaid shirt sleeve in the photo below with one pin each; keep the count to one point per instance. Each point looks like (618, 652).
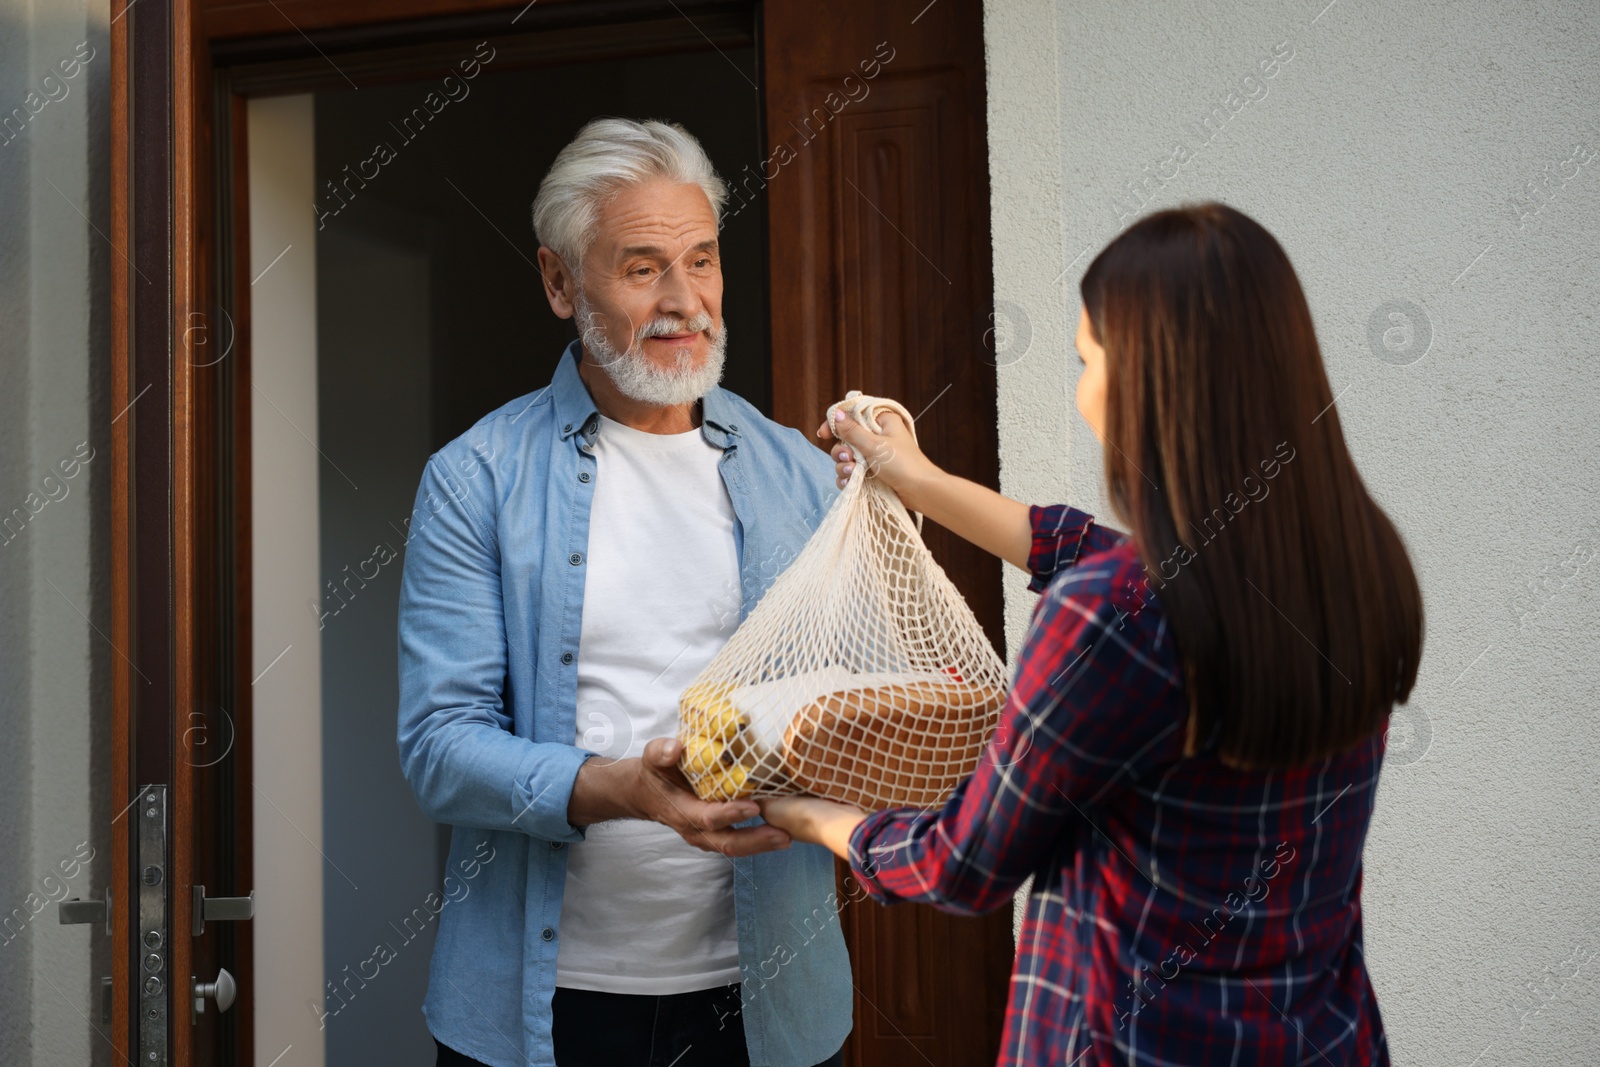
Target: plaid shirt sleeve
(1086, 709)
(1061, 535)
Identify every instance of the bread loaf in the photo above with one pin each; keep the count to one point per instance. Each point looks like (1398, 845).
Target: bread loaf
(874, 740)
(900, 745)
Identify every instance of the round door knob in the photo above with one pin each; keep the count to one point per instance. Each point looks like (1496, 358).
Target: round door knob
(224, 991)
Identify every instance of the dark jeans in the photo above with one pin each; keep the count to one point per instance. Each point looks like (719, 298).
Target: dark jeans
(699, 1029)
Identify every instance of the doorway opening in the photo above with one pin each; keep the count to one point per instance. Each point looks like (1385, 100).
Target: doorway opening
(428, 314)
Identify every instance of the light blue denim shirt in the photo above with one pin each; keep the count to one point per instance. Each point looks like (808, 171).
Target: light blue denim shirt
(490, 610)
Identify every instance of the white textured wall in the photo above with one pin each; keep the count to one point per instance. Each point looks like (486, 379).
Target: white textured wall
(55, 809)
(1395, 156)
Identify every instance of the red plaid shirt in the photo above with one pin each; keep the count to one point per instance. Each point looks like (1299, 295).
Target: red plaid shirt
(1181, 912)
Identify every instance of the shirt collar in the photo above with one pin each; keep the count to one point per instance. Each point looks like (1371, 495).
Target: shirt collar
(576, 413)
(575, 410)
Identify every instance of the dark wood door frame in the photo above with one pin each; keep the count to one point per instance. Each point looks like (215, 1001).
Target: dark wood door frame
(182, 72)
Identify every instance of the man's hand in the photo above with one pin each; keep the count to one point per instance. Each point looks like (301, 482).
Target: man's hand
(652, 787)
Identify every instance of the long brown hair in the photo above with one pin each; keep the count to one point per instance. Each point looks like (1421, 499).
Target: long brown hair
(1294, 606)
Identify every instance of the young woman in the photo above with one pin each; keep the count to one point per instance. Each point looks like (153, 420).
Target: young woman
(1187, 763)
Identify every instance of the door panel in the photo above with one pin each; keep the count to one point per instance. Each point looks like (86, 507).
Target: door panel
(879, 260)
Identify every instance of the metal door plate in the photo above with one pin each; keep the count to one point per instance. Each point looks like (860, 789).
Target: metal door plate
(152, 982)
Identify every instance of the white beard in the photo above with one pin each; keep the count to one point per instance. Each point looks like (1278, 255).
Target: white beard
(640, 378)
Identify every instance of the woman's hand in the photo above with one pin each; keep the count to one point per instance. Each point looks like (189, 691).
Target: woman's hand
(892, 457)
(995, 523)
(814, 820)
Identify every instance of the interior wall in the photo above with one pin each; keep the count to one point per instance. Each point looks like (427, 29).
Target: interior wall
(55, 707)
(286, 466)
(374, 371)
(1433, 171)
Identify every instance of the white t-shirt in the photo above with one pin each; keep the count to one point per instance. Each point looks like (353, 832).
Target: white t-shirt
(645, 912)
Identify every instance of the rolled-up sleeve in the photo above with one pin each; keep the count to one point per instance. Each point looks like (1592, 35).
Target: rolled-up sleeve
(457, 747)
(1062, 535)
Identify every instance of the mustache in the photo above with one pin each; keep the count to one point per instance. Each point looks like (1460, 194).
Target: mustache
(667, 325)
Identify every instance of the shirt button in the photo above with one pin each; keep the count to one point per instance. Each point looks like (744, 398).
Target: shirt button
(575, 559)
(567, 428)
(566, 657)
(732, 428)
(548, 934)
(556, 844)
(583, 476)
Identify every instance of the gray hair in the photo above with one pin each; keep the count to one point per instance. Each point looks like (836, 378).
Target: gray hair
(607, 155)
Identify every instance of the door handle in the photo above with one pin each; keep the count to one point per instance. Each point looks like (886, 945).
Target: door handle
(224, 991)
(72, 912)
(220, 909)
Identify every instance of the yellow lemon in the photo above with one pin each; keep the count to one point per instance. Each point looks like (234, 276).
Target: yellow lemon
(704, 709)
(723, 721)
(730, 783)
(700, 754)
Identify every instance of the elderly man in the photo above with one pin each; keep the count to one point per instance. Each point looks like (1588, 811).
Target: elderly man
(576, 558)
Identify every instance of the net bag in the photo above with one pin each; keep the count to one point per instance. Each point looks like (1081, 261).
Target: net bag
(862, 676)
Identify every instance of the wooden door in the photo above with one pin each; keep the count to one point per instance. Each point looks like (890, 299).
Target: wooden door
(180, 728)
(879, 250)
(879, 260)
